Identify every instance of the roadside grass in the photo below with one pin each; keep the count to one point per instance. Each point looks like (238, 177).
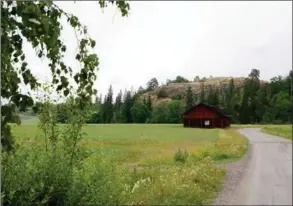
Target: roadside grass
(229, 147)
(283, 130)
(279, 130)
(144, 156)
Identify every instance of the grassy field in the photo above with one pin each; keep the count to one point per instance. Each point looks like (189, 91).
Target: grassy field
(147, 159)
(149, 144)
(149, 149)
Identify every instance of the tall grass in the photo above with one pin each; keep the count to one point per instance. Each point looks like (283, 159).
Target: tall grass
(230, 146)
(183, 184)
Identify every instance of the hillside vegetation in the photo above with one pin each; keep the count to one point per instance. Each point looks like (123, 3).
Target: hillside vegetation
(178, 90)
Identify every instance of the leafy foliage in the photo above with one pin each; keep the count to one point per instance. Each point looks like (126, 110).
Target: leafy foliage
(139, 112)
(46, 170)
(174, 111)
(159, 114)
(39, 23)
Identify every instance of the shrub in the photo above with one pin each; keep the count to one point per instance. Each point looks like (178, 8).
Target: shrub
(181, 156)
(162, 94)
(58, 171)
(177, 97)
(36, 176)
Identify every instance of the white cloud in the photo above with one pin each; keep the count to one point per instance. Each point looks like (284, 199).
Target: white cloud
(166, 39)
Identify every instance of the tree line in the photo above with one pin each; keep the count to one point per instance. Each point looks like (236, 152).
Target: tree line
(253, 103)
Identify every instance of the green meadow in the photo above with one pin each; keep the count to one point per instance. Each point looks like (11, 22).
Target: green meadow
(160, 163)
(148, 144)
(157, 171)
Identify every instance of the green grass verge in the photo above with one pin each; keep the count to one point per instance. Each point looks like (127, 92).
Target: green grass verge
(279, 130)
(284, 131)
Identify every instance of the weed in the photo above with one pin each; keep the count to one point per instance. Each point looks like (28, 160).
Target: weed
(181, 156)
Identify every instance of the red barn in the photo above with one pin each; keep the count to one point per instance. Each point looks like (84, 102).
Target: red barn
(206, 116)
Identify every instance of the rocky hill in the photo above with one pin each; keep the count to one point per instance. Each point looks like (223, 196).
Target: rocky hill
(174, 90)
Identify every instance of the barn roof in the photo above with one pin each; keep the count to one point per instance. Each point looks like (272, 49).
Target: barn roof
(216, 109)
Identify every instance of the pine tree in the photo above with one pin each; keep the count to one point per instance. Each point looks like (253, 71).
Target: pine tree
(210, 96)
(216, 97)
(149, 106)
(107, 115)
(202, 94)
(230, 95)
(117, 108)
(103, 110)
(126, 107)
(230, 103)
(245, 109)
(144, 101)
(195, 99)
(189, 99)
(262, 103)
(149, 103)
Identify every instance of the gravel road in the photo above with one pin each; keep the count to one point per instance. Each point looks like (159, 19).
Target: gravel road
(263, 176)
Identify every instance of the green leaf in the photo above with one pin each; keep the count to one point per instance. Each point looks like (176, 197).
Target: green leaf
(46, 25)
(66, 92)
(78, 57)
(93, 43)
(63, 48)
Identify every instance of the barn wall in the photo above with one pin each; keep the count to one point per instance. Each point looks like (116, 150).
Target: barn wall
(201, 112)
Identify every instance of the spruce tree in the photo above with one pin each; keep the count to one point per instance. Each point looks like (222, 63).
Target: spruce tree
(117, 108)
(189, 99)
(202, 93)
(126, 107)
(149, 106)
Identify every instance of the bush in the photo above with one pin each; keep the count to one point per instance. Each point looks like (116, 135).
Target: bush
(162, 94)
(34, 176)
(159, 114)
(57, 171)
(177, 97)
(181, 156)
(95, 118)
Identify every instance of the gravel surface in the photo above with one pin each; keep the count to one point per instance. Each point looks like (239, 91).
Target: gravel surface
(263, 176)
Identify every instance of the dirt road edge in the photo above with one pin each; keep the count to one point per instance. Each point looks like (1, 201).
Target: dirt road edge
(234, 175)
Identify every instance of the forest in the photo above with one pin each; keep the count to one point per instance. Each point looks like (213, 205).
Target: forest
(253, 103)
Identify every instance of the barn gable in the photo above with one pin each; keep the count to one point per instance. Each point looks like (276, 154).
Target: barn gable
(199, 107)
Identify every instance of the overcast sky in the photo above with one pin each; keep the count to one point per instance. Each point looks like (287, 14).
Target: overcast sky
(188, 38)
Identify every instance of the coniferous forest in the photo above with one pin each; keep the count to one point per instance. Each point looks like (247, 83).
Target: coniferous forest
(253, 103)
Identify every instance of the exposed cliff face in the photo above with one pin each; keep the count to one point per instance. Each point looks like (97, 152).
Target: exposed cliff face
(179, 89)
